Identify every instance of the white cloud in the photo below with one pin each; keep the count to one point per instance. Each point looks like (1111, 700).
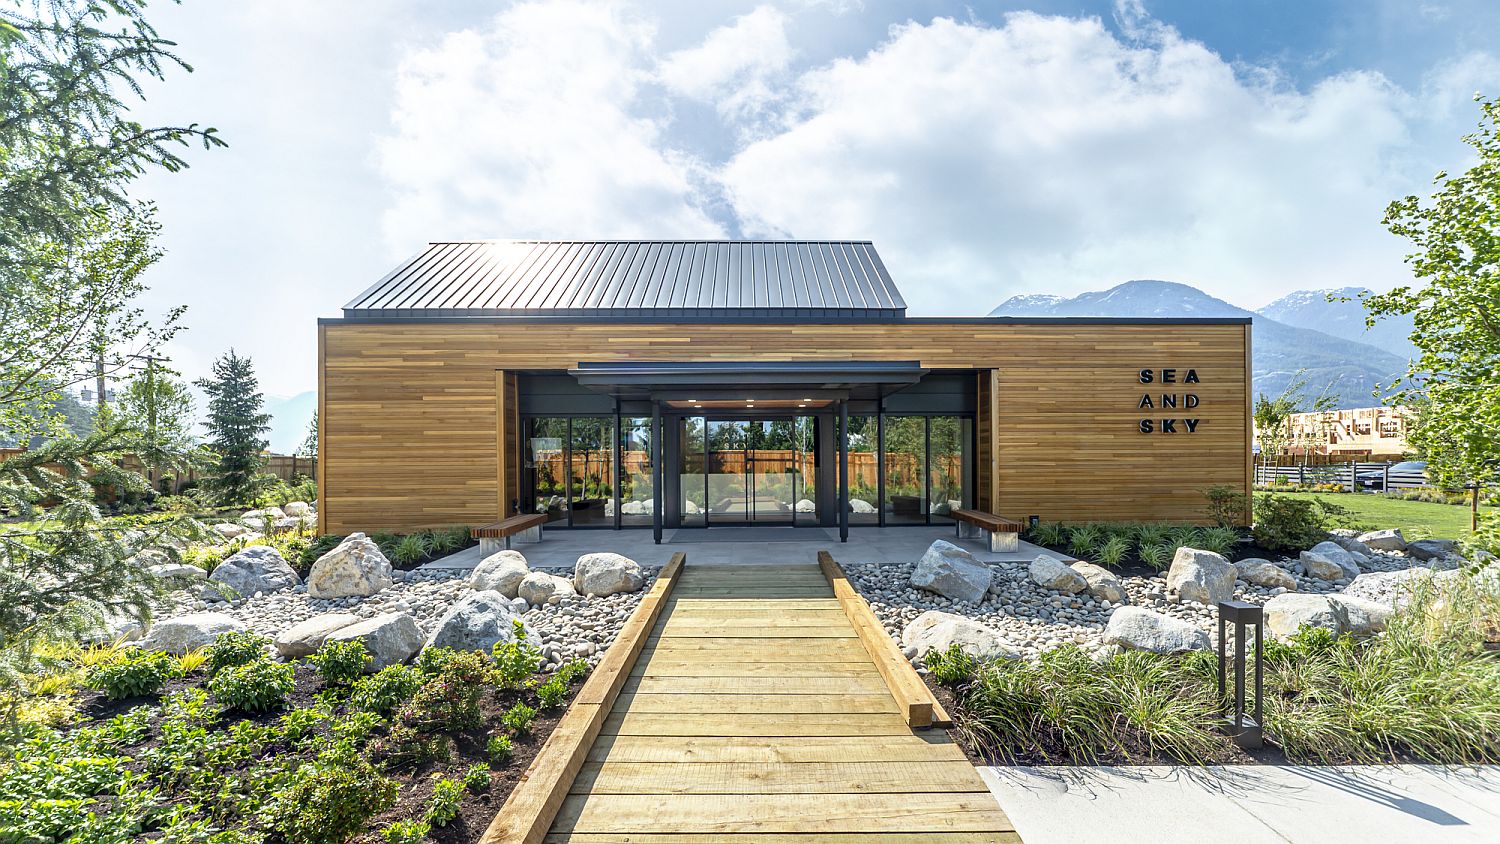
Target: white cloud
(1048, 155)
(736, 66)
(536, 124)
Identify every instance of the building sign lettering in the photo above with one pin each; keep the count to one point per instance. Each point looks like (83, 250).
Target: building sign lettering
(1168, 401)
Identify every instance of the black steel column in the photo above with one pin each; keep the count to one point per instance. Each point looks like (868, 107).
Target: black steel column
(879, 462)
(844, 471)
(657, 502)
(619, 484)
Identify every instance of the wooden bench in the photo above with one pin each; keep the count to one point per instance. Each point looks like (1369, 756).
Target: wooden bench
(525, 528)
(999, 534)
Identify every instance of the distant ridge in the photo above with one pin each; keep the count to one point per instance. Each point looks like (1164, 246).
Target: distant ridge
(1351, 370)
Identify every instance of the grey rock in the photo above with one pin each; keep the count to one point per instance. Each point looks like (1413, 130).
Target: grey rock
(1430, 549)
(1327, 561)
(1351, 544)
(1049, 572)
(1363, 617)
(1339, 614)
(1201, 576)
(390, 638)
(259, 568)
(604, 573)
(952, 572)
(181, 572)
(540, 588)
(229, 530)
(1134, 628)
(476, 623)
(501, 572)
(1384, 540)
(306, 637)
(1265, 573)
(1102, 583)
(933, 630)
(354, 568)
(189, 632)
(298, 509)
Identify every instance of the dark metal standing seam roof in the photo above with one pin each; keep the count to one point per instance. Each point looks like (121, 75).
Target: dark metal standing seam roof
(691, 279)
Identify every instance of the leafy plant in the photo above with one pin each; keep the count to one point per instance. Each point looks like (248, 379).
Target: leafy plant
(1050, 534)
(386, 689)
(447, 797)
(405, 832)
(952, 666)
(517, 660)
(518, 719)
(253, 687)
(1113, 552)
(1226, 505)
(573, 670)
(232, 649)
(1220, 540)
(411, 549)
(499, 749)
(1290, 524)
(477, 778)
(341, 663)
(406, 745)
(191, 661)
(450, 699)
(552, 693)
(1083, 539)
(1157, 555)
(329, 800)
(134, 674)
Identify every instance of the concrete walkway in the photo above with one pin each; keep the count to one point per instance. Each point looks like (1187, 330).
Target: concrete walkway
(1251, 804)
(561, 547)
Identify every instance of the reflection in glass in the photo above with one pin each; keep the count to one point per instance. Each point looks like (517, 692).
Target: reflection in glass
(546, 467)
(905, 470)
(690, 476)
(591, 462)
(948, 476)
(806, 440)
(864, 471)
(771, 458)
(636, 499)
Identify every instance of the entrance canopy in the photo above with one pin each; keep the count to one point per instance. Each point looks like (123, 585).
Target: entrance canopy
(783, 385)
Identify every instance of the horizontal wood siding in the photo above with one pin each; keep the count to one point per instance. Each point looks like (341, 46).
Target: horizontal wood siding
(410, 427)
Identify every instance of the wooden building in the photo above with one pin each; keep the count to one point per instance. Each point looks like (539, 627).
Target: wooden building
(1375, 433)
(672, 384)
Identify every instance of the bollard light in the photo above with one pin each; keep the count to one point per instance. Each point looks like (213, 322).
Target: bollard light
(1245, 730)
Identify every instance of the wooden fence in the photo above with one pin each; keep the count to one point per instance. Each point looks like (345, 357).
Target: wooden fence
(283, 466)
(1352, 476)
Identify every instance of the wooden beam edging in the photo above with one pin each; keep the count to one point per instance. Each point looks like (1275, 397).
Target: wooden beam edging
(533, 804)
(917, 703)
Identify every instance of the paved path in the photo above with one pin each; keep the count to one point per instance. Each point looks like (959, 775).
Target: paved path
(754, 714)
(1408, 804)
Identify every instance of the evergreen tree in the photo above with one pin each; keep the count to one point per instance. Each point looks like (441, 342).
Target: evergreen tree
(237, 425)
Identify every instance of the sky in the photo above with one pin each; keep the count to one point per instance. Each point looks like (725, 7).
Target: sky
(1247, 147)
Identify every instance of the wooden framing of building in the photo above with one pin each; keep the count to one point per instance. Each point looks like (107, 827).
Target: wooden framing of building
(1073, 419)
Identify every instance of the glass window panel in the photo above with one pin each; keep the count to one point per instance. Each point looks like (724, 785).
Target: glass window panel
(807, 475)
(727, 490)
(690, 475)
(864, 470)
(948, 477)
(772, 464)
(636, 498)
(546, 467)
(905, 461)
(591, 466)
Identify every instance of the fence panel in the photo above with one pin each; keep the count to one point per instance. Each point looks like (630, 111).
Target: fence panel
(1346, 475)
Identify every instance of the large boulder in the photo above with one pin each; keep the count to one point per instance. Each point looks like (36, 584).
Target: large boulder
(1265, 573)
(229, 530)
(501, 572)
(605, 574)
(1389, 539)
(859, 505)
(540, 588)
(1349, 542)
(390, 639)
(952, 572)
(476, 623)
(1137, 629)
(259, 568)
(306, 637)
(1103, 585)
(297, 509)
(1049, 572)
(933, 630)
(1328, 561)
(189, 632)
(355, 568)
(1201, 576)
(1430, 549)
(178, 572)
(1337, 613)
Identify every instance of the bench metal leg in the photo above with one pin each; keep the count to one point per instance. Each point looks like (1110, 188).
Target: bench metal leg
(529, 536)
(489, 545)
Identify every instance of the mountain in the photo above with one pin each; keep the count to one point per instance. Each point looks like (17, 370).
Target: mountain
(1346, 319)
(1350, 370)
(289, 420)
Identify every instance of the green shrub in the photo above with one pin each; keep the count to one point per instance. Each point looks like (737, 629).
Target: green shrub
(951, 667)
(1083, 539)
(499, 749)
(573, 670)
(134, 673)
(450, 540)
(432, 660)
(477, 778)
(552, 693)
(330, 800)
(518, 719)
(515, 661)
(1226, 505)
(1050, 534)
(1113, 552)
(1290, 524)
(1220, 540)
(450, 698)
(254, 687)
(405, 832)
(1157, 555)
(386, 689)
(341, 663)
(410, 549)
(447, 796)
(1152, 533)
(406, 745)
(232, 649)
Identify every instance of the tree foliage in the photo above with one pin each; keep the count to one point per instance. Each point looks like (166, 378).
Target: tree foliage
(1455, 382)
(1273, 416)
(237, 424)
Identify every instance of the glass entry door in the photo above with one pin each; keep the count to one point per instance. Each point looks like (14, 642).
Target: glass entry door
(752, 471)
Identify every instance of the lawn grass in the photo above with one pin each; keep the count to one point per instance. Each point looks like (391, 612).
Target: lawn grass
(1416, 519)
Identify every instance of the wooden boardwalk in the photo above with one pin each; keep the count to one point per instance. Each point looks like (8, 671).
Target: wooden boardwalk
(754, 713)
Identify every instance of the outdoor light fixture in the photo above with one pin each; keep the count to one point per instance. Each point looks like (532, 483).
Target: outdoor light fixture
(1245, 732)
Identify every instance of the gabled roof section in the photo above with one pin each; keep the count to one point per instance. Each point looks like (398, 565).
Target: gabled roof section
(625, 279)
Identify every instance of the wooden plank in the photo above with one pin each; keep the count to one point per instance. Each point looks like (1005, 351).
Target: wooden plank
(910, 692)
(716, 666)
(830, 813)
(534, 802)
(864, 684)
(657, 724)
(930, 746)
(775, 778)
(845, 649)
(714, 631)
(737, 704)
(783, 838)
(755, 593)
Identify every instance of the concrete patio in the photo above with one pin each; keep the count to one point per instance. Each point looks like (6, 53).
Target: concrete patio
(744, 546)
